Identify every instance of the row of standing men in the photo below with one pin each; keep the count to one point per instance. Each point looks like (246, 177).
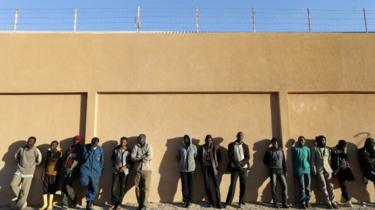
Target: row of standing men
(86, 162)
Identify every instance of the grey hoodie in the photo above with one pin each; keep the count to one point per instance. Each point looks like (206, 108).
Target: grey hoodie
(27, 160)
(141, 156)
(186, 157)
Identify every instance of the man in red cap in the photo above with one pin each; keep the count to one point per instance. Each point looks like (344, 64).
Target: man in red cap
(70, 172)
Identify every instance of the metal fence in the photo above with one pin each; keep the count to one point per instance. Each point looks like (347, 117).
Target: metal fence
(187, 20)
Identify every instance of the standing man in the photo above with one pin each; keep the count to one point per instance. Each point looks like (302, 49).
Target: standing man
(186, 157)
(239, 156)
(27, 158)
(91, 170)
(209, 156)
(301, 164)
(70, 173)
(321, 168)
(121, 165)
(342, 169)
(141, 156)
(274, 159)
(366, 157)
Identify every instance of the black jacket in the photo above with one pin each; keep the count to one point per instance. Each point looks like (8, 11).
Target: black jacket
(366, 160)
(233, 165)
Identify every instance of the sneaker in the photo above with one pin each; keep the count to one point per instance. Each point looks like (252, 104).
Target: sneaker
(240, 206)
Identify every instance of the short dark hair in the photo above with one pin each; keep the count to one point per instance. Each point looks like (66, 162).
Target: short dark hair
(54, 142)
(32, 138)
(208, 136)
(95, 139)
(124, 138)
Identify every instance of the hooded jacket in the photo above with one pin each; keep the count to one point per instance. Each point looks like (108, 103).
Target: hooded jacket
(366, 160)
(274, 159)
(141, 156)
(92, 160)
(186, 157)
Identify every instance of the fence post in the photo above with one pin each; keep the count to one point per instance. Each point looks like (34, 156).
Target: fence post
(197, 19)
(365, 19)
(254, 19)
(309, 19)
(138, 19)
(75, 19)
(16, 14)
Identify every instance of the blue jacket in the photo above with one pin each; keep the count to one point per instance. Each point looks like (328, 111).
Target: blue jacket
(92, 160)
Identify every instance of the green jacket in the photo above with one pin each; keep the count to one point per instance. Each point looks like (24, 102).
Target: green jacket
(301, 160)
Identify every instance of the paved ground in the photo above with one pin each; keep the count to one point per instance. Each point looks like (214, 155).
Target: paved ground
(203, 206)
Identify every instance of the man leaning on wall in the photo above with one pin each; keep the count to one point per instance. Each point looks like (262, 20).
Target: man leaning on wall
(141, 156)
(27, 158)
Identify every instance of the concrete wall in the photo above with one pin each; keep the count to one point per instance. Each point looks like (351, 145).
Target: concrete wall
(57, 85)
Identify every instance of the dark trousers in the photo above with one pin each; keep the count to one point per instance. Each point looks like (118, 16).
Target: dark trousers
(68, 192)
(208, 172)
(233, 181)
(118, 187)
(279, 177)
(187, 186)
(344, 188)
(304, 182)
(370, 175)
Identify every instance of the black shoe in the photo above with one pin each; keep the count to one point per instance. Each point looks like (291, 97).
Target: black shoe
(303, 205)
(276, 206)
(240, 206)
(89, 205)
(185, 204)
(188, 204)
(115, 207)
(219, 206)
(334, 205)
(285, 206)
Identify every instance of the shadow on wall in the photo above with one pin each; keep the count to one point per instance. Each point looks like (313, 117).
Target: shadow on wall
(258, 174)
(170, 172)
(6, 173)
(357, 188)
(105, 186)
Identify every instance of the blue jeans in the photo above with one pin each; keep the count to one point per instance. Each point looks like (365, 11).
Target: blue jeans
(91, 183)
(304, 181)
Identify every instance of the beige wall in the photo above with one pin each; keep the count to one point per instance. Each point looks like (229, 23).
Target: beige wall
(55, 85)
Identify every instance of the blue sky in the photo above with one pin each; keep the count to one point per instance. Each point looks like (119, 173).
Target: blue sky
(178, 15)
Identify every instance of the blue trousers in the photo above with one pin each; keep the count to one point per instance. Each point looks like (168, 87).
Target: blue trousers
(304, 181)
(91, 183)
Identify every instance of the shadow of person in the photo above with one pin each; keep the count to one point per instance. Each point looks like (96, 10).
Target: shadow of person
(258, 174)
(357, 188)
(7, 172)
(105, 185)
(169, 171)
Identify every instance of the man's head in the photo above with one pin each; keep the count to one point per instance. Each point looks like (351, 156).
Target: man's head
(301, 141)
(95, 141)
(275, 142)
(54, 145)
(123, 141)
(369, 144)
(141, 139)
(240, 136)
(208, 140)
(320, 141)
(31, 142)
(342, 145)
(187, 140)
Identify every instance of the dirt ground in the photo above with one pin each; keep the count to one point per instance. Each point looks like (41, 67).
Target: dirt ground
(204, 206)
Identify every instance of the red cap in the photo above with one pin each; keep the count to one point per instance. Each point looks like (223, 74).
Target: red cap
(77, 138)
